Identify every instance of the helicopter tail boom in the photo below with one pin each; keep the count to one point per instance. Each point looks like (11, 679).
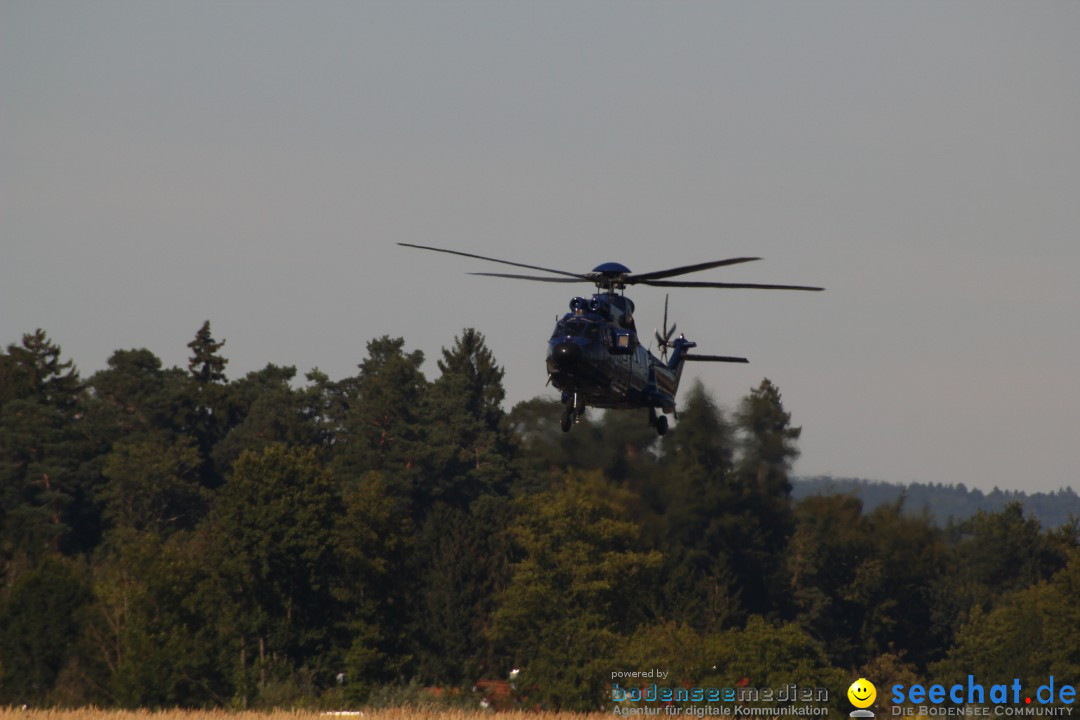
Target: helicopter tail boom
(715, 358)
(680, 355)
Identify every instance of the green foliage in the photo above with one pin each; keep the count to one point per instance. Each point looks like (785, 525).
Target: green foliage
(702, 443)
(673, 646)
(572, 595)
(153, 484)
(773, 656)
(40, 619)
(169, 537)
(757, 655)
(619, 443)
(34, 370)
(463, 563)
(205, 364)
(868, 583)
(134, 395)
(896, 586)
(544, 448)
(467, 447)
(1033, 633)
(379, 414)
(824, 557)
(374, 538)
(995, 553)
(263, 409)
(42, 449)
(769, 441)
(272, 534)
(768, 445)
(948, 502)
(159, 620)
(701, 531)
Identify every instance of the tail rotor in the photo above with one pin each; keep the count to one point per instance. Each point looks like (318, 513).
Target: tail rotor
(664, 341)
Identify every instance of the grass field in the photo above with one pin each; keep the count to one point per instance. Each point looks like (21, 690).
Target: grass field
(381, 714)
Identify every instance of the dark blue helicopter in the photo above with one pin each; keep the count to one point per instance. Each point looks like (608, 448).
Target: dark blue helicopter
(594, 356)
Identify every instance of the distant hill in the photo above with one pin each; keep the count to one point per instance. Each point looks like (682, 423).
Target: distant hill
(946, 501)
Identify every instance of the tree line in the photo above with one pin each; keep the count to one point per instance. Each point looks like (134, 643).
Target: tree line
(946, 502)
(173, 537)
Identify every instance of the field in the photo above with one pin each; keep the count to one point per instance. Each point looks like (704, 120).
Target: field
(381, 714)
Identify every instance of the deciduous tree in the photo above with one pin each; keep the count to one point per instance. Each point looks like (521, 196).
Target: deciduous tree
(273, 532)
(571, 597)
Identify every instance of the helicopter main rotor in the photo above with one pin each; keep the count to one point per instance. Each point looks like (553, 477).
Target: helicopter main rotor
(613, 276)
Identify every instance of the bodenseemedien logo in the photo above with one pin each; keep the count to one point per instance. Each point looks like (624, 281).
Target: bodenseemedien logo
(708, 701)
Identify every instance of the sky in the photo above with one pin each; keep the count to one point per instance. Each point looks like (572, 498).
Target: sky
(256, 162)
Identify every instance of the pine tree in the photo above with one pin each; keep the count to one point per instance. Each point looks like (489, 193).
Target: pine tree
(768, 449)
(150, 472)
(472, 361)
(769, 441)
(468, 448)
(208, 421)
(43, 487)
(468, 472)
(380, 414)
(206, 365)
(702, 514)
(135, 395)
(702, 442)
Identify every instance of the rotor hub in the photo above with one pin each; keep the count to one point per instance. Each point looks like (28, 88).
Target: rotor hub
(611, 268)
(610, 276)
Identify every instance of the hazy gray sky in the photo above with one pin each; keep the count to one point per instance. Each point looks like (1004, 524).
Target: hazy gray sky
(255, 163)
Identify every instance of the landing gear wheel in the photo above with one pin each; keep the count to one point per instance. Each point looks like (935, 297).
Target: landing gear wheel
(567, 419)
(661, 425)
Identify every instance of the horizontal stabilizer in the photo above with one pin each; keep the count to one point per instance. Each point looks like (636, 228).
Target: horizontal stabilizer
(715, 358)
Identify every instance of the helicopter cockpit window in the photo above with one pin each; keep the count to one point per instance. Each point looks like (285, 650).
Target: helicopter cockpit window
(577, 328)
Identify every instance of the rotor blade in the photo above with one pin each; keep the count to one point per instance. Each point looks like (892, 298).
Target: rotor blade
(657, 274)
(757, 286)
(541, 280)
(666, 333)
(504, 262)
(715, 358)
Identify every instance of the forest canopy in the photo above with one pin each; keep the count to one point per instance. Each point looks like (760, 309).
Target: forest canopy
(177, 537)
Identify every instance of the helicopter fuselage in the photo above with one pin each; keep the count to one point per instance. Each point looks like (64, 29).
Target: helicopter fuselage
(595, 358)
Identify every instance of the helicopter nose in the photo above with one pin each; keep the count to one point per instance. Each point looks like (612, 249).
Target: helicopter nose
(567, 354)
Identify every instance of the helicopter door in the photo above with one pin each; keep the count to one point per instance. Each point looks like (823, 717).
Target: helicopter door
(639, 365)
(620, 354)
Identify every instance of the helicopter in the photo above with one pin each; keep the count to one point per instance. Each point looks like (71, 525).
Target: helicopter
(594, 356)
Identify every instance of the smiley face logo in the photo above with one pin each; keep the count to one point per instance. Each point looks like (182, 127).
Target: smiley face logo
(862, 693)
